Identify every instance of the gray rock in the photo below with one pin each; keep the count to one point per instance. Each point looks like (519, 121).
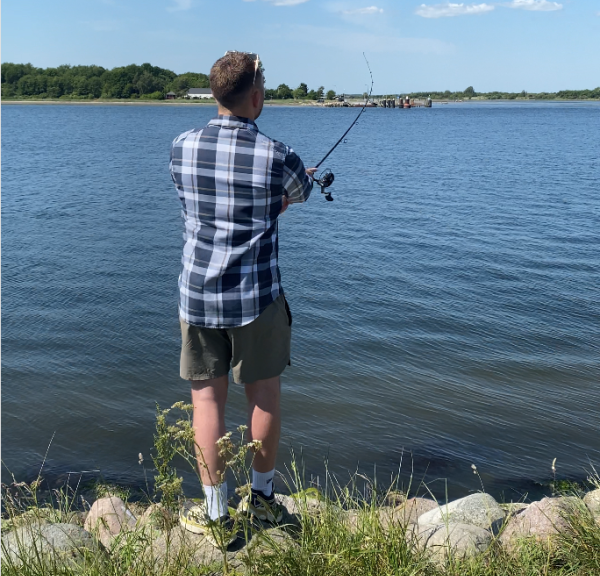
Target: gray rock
(592, 501)
(478, 510)
(182, 544)
(443, 541)
(542, 520)
(413, 509)
(107, 518)
(155, 516)
(269, 541)
(63, 544)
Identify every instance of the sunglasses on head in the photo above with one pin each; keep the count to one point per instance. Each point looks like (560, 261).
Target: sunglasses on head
(257, 62)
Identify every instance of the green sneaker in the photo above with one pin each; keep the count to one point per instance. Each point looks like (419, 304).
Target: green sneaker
(261, 507)
(220, 533)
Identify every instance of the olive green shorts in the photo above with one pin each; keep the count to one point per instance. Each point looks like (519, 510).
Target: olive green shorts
(256, 351)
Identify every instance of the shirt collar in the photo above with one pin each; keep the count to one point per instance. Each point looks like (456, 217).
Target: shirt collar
(233, 122)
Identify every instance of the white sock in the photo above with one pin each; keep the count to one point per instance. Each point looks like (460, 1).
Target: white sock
(216, 500)
(263, 481)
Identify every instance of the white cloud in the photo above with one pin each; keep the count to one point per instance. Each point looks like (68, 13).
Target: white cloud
(536, 5)
(361, 11)
(447, 10)
(180, 5)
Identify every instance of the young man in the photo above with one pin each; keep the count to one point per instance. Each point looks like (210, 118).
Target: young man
(233, 183)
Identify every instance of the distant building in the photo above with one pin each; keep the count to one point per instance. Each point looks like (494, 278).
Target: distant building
(199, 93)
(170, 96)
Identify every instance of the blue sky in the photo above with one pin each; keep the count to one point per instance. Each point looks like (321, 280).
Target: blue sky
(533, 45)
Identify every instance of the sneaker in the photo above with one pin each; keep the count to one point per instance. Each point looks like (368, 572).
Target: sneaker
(193, 517)
(262, 507)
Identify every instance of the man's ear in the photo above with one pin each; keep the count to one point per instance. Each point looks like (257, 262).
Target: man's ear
(255, 97)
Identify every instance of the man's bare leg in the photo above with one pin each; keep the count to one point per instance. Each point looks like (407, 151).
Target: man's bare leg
(208, 398)
(264, 424)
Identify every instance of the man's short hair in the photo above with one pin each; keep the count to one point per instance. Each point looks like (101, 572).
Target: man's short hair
(232, 76)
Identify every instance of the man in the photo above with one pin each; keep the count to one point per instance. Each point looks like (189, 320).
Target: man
(233, 182)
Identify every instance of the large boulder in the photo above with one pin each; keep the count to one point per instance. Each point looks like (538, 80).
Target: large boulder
(413, 509)
(55, 544)
(592, 501)
(156, 517)
(478, 510)
(542, 520)
(107, 518)
(443, 541)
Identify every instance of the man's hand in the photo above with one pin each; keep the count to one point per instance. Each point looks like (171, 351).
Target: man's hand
(284, 204)
(311, 171)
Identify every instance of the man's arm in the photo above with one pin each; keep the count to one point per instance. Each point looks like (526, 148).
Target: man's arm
(297, 181)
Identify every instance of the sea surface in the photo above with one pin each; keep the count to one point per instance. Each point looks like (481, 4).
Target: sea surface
(446, 304)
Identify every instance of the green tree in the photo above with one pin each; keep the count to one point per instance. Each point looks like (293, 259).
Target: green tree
(182, 83)
(312, 95)
(330, 94)
(270, 93)
(320, 92)
(469, 92)
(284, 92)
(301, 91)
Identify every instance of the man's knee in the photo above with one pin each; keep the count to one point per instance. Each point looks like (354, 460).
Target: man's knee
(264, 392)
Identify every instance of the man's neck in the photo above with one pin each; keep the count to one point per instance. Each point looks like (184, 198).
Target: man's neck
(241, 113)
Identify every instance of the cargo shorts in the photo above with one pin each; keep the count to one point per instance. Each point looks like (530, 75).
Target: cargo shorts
(256, 351)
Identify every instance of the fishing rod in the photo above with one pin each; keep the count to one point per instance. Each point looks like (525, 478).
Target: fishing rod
(326, 178)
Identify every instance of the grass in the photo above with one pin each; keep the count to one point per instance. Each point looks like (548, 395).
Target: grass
(323, 543)
(338, 532)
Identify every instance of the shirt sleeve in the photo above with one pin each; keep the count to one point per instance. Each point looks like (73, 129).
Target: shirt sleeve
(297, 184)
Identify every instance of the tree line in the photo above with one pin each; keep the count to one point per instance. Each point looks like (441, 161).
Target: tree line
(151, 82)
(133, 81)
(469, 93)
(145, 81)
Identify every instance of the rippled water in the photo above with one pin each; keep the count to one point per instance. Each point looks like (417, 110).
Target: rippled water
(446, 305)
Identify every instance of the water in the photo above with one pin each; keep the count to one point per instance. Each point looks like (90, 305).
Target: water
(446, 305)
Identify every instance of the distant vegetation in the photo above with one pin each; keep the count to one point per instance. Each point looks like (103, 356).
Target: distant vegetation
(145, 81)
(149, 82)
(470, 93)
(125, 82)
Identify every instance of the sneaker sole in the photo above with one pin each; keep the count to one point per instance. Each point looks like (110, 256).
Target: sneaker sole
(200, 530)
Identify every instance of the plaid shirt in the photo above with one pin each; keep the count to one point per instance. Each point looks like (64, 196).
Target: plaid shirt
(231, 179)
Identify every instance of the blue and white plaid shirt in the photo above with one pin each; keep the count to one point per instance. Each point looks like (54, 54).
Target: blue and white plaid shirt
(231, 180)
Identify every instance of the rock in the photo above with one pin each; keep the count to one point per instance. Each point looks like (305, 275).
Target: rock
(65, 544)
(478, 510)
(107, 518)
(171, 544)
(592, 501)
(541, 520)
(155, 516)
(270, 541)
(442, 541)
(413, 509)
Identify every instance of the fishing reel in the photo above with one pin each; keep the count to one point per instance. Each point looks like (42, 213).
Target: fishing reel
(325, 180)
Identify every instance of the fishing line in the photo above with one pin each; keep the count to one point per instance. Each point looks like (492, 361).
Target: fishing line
(326, 178)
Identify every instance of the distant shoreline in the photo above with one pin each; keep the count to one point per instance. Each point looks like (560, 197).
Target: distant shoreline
(294, 103)
(145, 102)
